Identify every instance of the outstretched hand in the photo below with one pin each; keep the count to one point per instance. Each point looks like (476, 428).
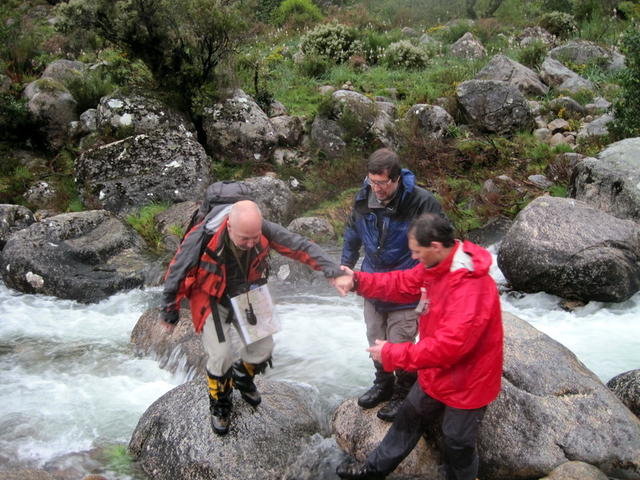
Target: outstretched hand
(344, 283)
(376, 350)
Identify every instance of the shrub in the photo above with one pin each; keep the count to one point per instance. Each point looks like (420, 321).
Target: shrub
(297, 13)
(557, 5)
(89, 87)
(559, 23)
(533, 54)
(15, 121)
(333, 40)
(182, 42)
(406, 55)
(314, 66)
(630, 10)
(373, 45)
(627, 106)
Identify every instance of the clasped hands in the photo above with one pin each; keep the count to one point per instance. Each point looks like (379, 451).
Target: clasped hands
(344, 283)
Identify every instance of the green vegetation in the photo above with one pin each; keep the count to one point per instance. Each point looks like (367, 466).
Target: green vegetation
(144, 223)
(627, 106)
(297, 13)
(182, 47)
(189, 51)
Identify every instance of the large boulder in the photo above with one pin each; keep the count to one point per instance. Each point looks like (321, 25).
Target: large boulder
(173, 222)
(64, 70)
(159, 167)
(610, 182)
(432, 121)
(532, 35)
(551, 409)
(584, 52)
(12, 219)
(598, 127)
(178, 350)
(503, 69)
(494, 106)
(317, 228)
(238, 130)
(468, 46)
(571, 249)
(626, 387)
(85, 256)
(288, 129)
(555, 74)
(273, 196)
(125, 115)
(51, 104)
(173, 439)
(328, 137)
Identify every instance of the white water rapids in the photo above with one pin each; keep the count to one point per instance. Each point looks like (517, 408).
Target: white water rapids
(69, 381)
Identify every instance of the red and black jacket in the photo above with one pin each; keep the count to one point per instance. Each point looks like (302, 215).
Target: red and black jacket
(198, 270)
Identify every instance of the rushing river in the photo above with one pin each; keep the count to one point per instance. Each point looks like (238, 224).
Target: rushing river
(69, 381)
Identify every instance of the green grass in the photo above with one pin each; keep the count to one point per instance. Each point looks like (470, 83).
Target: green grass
(145, 224)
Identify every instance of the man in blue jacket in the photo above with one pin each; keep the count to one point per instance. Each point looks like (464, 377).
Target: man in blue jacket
(382, 212)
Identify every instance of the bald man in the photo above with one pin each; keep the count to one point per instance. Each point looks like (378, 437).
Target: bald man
(224, 256)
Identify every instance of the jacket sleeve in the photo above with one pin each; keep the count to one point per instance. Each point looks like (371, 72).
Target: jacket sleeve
(398, 286)
(299, 248)
(429, 204)
(181, 268)
(352, 243)
(465, 316)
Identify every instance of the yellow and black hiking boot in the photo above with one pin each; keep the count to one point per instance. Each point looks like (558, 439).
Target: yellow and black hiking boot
(220, 402)
(243, 373)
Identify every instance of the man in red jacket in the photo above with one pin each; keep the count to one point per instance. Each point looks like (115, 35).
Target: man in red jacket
(458, 356)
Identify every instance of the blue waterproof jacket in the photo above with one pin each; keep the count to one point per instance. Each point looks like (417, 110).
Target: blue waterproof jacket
(386, 248)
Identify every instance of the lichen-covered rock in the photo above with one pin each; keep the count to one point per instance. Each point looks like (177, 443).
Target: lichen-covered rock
(626, 387)
(431, 121)
(173, 439)
(610, 182)
(12, 219)
(53, 105)
(147, 168)
(555, 74)
(531, 35)
(84, 256)
(125, 115)
(328, 137)
(584, 52)
(596, 128)
(238, 130)
(64, 70)
(288, 129)
(551, 409)
(576, 471)
(468, 46)
(317, 228)
(569, 248)
(503, 69)
(494, 106)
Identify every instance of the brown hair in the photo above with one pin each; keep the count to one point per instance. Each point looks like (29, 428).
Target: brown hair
(384, 161)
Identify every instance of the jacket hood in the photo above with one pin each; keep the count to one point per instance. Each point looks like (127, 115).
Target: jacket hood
(464, 256)
(479, 257)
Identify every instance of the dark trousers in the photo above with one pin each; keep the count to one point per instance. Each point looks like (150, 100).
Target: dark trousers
(459, 429)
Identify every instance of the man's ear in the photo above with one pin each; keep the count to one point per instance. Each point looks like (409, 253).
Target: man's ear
(438, 246)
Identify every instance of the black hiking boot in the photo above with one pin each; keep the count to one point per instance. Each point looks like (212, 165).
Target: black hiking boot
(242, 374)
(404, 382)
(380, 391)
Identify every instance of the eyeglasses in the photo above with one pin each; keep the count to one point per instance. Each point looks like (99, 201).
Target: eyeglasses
(379, 183)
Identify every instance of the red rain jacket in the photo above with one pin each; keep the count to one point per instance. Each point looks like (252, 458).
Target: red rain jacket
(459, 352)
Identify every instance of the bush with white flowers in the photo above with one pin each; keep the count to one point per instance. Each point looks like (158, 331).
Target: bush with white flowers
(332, 40)
(405, 55)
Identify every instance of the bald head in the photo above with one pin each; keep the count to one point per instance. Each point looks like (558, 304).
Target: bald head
(245, 224)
